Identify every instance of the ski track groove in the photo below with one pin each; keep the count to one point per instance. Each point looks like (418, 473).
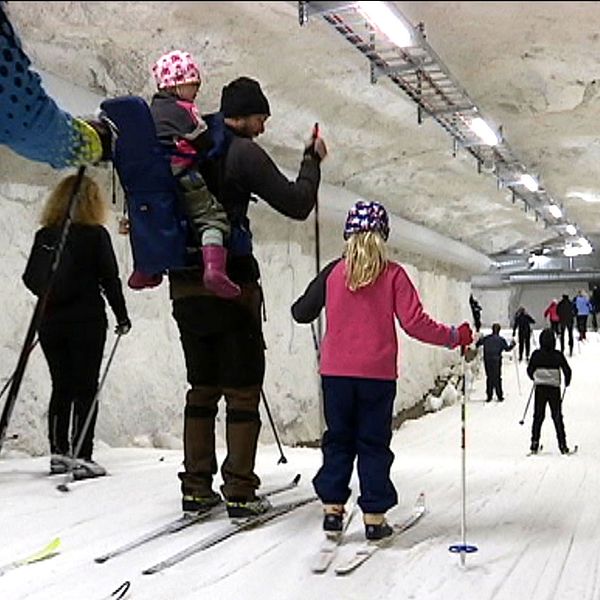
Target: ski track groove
(240, 566)
(563, 564)
(511, 570)
(246, 563)
(595, 580)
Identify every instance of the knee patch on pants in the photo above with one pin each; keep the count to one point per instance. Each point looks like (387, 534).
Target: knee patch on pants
(243, 416)
(200, 412)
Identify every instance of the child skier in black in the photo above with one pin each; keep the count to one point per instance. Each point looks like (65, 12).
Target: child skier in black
(544, 369)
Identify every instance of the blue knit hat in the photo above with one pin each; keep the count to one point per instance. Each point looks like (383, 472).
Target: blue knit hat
(367, 216)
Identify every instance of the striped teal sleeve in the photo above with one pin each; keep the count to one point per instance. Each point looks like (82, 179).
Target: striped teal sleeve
(31, 123)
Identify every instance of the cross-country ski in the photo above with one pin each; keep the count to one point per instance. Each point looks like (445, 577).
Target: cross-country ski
(368, 549)
(330, 545)
(186, 520)
(48, 551)
(226, 532)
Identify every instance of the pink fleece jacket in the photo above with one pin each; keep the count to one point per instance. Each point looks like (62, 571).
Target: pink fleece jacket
(360, 340)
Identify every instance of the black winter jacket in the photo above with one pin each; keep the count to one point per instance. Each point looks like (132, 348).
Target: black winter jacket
(546, 363)
(565, 311)
(93, 271)
(523, 323)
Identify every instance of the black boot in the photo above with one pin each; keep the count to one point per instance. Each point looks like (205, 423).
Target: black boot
(378, 532)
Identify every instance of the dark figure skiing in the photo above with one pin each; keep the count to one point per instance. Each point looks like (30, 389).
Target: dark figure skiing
(493, 347)
(595, 301)
(582, 308)
(544, 369)
(73, 329)
(476, 310)
(222, 338)
(522, 323)
(364, 295)
(566, 315)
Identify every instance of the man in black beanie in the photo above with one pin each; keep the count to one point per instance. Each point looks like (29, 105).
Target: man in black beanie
(222, 339)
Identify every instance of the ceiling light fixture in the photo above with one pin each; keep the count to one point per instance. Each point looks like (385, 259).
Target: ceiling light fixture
(555, 211)
(580, 248)
(483, 131)
(529, 182)
(384, 19)
(397, 49)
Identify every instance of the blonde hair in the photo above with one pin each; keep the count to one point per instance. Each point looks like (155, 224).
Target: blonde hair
(366, 259)
(90, 207)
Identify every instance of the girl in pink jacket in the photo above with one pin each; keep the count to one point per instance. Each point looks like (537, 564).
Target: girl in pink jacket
(364, 294)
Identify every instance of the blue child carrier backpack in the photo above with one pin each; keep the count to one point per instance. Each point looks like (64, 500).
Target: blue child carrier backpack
(158, 226)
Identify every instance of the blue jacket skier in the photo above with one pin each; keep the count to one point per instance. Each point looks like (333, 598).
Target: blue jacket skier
(493, 346)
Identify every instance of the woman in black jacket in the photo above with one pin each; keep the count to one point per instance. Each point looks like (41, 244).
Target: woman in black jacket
(73, 329)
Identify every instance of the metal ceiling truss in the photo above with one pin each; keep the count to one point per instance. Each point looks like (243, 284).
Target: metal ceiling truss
(420, 73)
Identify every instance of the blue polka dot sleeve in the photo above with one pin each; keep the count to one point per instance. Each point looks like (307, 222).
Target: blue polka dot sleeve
(31, 123)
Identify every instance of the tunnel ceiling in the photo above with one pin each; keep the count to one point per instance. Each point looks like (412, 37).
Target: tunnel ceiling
(533, 68)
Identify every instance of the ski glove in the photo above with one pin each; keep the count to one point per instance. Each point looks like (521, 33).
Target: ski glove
(105, 134)
(123, 327)
(315, 148)
(465, 334)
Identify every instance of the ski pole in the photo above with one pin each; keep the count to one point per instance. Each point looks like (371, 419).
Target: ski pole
(64, 486)
(319, 333)
(9, 380)
(522, 421)
(38, 311)
(517, 370)
(315, 341)
(315, 135)
(282, 458)
(463, 548)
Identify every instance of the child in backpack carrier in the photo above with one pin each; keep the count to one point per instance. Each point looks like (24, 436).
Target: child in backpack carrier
(364, 295)
(182, 130)
(544, 369)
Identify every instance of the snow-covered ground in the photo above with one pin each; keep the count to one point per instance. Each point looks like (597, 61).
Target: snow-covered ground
(534, 519)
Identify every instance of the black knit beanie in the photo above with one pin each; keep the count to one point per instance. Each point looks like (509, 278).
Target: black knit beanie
(243, 97)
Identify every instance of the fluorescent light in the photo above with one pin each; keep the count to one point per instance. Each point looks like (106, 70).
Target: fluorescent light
(483, 131)
(555, 211)
(529, 182)
(585, 246)
(384, 19)
(571, 230)
(571, 251)
(580, 248)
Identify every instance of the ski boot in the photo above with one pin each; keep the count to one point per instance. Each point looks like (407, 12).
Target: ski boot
(333, 519)
(87, 469)
(376, 527)
(238, 508)
(200, 503)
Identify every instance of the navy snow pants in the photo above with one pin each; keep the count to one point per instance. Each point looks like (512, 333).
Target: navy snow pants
(358, 414)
